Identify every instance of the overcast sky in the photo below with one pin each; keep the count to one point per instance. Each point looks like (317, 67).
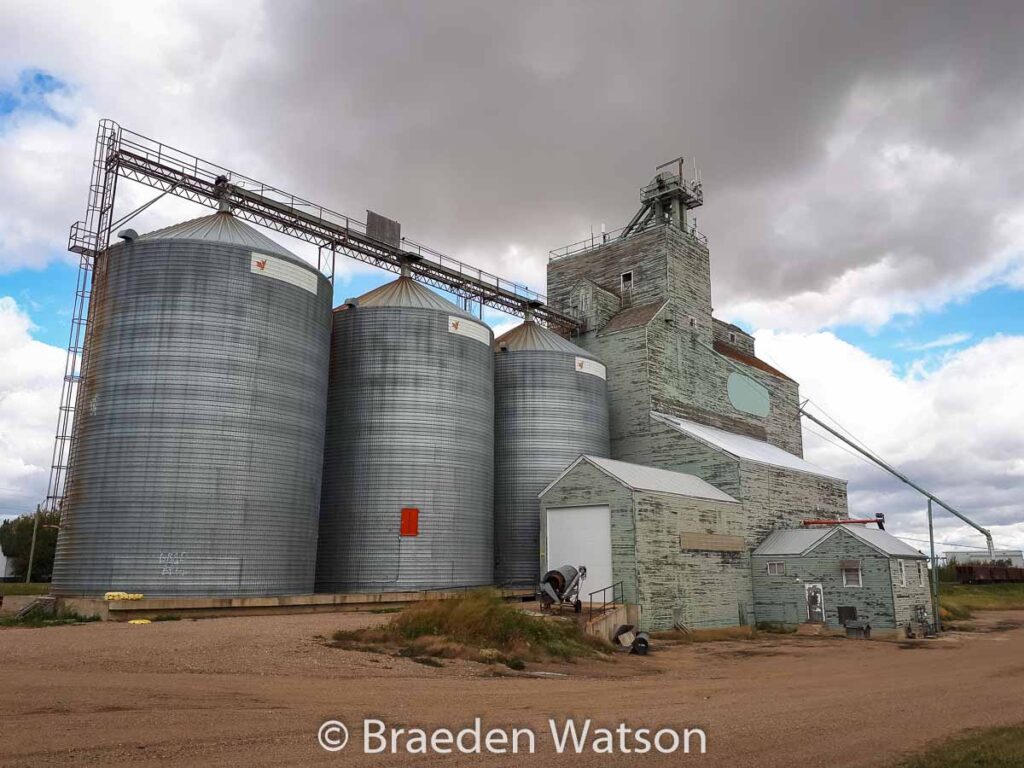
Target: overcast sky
(861, 166)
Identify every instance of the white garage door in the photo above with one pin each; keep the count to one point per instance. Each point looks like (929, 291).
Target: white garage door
(582, 536)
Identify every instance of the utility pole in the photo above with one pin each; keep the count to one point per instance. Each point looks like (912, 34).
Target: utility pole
(32, 549)
(935, 571)
(930, 496)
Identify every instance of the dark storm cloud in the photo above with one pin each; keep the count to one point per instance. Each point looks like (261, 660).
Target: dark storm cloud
(480, 125)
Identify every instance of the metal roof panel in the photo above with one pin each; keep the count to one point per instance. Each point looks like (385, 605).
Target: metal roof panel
(530, 336)
(743, 447)
(640, 478)
(222, 227)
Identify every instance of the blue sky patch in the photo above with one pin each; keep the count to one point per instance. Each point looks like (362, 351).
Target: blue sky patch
(31, 93)
(929, 336)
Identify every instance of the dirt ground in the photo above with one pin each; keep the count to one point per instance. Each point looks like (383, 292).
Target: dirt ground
(254, 691)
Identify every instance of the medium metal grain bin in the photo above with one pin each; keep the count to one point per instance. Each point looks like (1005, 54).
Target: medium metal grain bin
(409, 454)
(199, 425)
(550, 406)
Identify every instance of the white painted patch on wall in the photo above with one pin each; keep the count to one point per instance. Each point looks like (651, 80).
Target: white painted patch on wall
(748, 396)
(279, 269)
(464, 327)
(594, 368)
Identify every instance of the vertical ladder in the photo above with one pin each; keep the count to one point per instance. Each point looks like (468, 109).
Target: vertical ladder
(88, 238)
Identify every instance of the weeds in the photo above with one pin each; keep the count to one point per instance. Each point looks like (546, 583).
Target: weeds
(36, 618)
(479, 626)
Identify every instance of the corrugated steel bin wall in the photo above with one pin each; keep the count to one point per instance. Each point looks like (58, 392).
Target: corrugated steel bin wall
(546, 415)
(200, 429)
(410, 424)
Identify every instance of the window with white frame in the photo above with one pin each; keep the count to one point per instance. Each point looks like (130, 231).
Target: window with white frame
(626, 283)
(852, 576)
(776, 568)
(922, 572)
(903, 573)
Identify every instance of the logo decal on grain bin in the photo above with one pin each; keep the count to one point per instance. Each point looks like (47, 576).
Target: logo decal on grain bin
(285, 271)
(474, 331)
(586, 365)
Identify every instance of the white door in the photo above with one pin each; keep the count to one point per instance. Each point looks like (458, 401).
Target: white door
(582, 536)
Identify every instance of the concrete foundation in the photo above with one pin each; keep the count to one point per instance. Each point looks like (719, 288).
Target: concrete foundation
(205, 607)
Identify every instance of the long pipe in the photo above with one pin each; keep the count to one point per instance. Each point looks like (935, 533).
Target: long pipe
(931, 496)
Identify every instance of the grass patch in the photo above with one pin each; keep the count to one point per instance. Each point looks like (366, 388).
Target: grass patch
(958, 601)
(987, 748)
(21, 588)
(37, 618)
(479, 626)
(776, 628)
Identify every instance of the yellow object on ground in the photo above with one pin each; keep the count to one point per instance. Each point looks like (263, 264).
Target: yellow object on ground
(140, 621)
(123, 596)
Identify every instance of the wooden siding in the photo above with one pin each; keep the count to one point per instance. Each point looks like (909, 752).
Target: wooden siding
(772, 497)
(744, 341)
(682, 374)
(905, 599)
(699, 588)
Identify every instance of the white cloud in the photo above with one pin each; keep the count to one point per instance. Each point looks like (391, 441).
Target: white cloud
(949, 340)
(30, 384)
(890, 216)
(956, 430)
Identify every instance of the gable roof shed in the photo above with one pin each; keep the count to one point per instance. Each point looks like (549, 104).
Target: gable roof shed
(637, 477)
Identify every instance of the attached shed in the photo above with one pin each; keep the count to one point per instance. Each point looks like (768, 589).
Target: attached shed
(841, 573)
(778, 489)
(675, 542)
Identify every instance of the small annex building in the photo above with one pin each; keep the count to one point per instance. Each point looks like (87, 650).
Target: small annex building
(675, 542)
(840, 573)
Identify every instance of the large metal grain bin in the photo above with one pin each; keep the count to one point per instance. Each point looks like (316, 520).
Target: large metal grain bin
(409, 454)
(199, 428)
(550, 405)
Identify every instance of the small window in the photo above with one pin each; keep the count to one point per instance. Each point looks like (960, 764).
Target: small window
(693, 321)
(903, 573)
(852, 577)
(847, 613)
(732, 337)
(410, 522)
(777, 568)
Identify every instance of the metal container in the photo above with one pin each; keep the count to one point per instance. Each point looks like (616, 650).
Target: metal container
(198, 442)
(550, 405)
(409, 453)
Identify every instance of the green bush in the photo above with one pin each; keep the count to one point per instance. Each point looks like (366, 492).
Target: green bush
(16, 543)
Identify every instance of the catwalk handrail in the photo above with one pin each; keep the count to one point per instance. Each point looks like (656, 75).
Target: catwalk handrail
(139, 158)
